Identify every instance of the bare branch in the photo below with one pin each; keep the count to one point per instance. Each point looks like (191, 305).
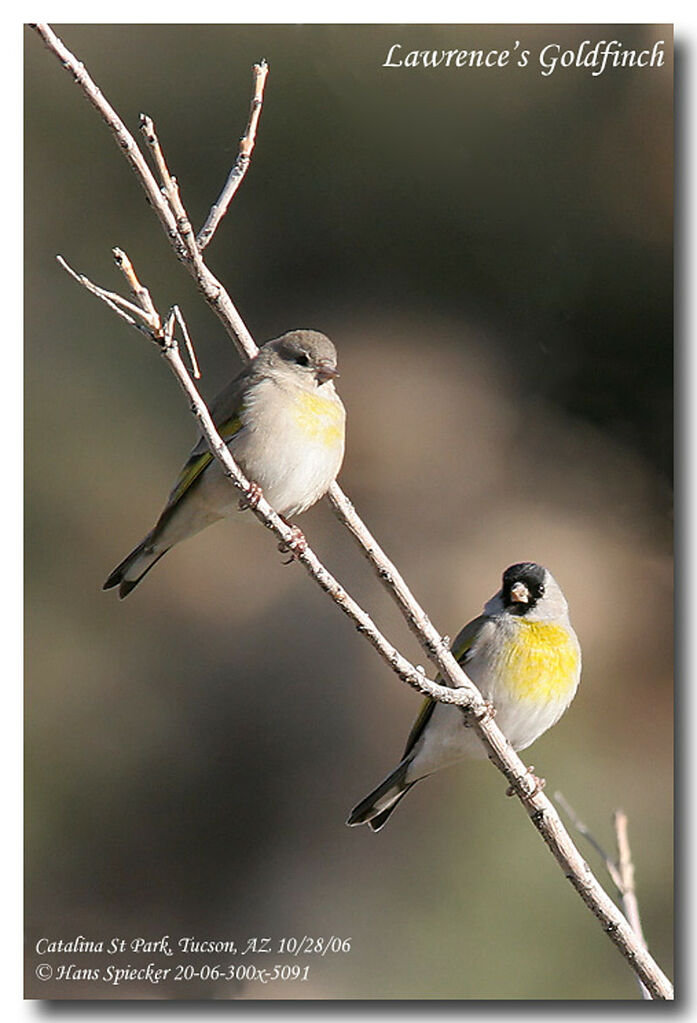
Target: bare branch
(626, 868)
(170, 190)
(622, 872)
(630, 903)
(114, 301)
(465, 694)
(209, 286)
(436, 646)
(124, 139)
(239, 168)
(590, 838)
(141, 294)
(196, 372)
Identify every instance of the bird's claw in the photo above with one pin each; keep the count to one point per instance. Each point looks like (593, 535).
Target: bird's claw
(487, 712)
(251, 498)
(296, 544)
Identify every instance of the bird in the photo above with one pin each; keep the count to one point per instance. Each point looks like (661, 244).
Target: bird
(284, 424)
(524, 657)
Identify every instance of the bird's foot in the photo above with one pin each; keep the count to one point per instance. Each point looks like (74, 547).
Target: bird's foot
(487, 712)
(297, 544)
(251, 498)
(537, 784)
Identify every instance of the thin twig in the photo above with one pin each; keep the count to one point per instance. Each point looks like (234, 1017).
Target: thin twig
(591, 839)
(141, 294)
(630, 903)
(622, 872)
(170, 188)
(115, 302)
(195, 371)
(435, 645)
(239, 168)
(626, 869)
(209, 285)
(123, 137)
(539, 808)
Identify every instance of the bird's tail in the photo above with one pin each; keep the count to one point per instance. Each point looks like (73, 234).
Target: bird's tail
(128, 574)
(377, 807)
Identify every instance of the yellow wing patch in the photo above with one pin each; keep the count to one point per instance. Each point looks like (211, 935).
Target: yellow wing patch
(541, 663)
(196, 464)
(321, 419)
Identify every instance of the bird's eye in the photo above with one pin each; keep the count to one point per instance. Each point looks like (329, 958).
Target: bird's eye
(302, 360)
(541, 590)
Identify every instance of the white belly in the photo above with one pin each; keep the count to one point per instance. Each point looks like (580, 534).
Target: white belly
(292, 447)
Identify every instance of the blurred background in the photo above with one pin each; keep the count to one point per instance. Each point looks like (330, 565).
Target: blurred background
(491, 251)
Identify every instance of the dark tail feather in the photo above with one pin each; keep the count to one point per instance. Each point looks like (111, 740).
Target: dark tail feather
(377, 807)
(378, 822)
(133, 568)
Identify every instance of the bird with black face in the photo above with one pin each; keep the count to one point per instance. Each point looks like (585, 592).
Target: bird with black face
(522, 654)
(284, 424)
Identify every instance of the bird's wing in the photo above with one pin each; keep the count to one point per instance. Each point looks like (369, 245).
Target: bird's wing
(198, 461)
(225, 411)
(460, 649)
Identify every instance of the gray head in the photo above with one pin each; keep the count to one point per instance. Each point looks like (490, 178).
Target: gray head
(306, 356)
(529, 591)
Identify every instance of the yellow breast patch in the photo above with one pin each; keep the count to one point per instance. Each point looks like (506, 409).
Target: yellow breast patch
(321, 419)
(540, 663)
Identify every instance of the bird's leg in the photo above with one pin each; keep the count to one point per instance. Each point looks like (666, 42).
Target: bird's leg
(251, 498)
(538, 784)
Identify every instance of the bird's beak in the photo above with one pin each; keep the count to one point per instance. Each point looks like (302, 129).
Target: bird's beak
(520, 593)
(325, 372)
